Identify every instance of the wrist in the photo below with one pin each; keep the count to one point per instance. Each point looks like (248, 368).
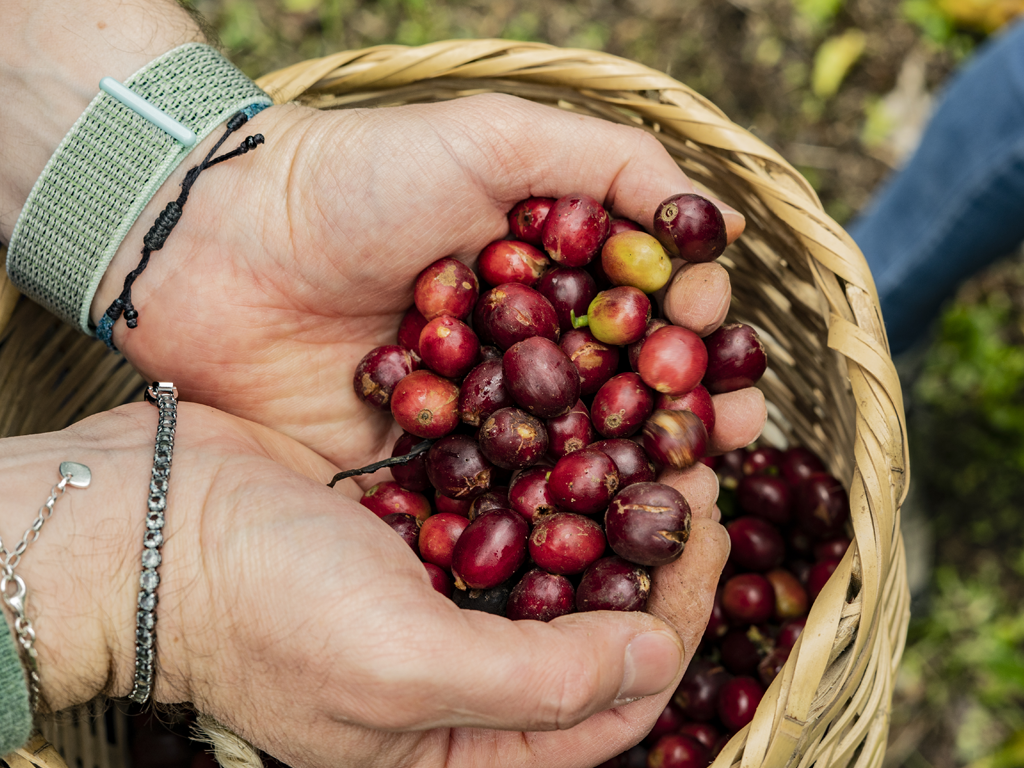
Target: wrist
(75, 571)
(50, 67)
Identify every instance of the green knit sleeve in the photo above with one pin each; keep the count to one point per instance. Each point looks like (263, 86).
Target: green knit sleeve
(15, 716)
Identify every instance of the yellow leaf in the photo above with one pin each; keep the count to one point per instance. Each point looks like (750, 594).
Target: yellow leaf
(986, 15)
(833, 61)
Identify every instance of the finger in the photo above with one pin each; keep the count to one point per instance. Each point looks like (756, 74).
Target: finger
(698, 297)
(739, 418)
(633, 174)
(683, 592)
(699, 486)
(485, 671)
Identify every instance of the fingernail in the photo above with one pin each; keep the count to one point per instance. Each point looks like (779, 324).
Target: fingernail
(652, 663)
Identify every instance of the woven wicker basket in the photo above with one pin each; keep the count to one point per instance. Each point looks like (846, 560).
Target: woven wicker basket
(796, 275)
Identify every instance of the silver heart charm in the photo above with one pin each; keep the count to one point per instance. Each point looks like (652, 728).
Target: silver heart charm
(79, 475)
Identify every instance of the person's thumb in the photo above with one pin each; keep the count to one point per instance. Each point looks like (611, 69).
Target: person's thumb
(528, 675)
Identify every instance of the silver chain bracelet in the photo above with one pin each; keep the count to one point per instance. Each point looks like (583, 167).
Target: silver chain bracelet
(77, 476)
(164, 395)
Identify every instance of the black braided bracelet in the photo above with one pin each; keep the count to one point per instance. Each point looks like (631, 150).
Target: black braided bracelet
(166, 221)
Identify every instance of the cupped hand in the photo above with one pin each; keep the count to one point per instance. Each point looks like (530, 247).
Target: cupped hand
(296, 617)
(293, 261)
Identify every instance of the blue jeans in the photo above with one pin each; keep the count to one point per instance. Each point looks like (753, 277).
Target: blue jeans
(958, 204)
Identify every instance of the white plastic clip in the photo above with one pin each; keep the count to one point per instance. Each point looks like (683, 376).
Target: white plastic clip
(140, 106)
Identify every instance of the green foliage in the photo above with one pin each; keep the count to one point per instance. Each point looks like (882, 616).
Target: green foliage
(973, 367)
(967, 657)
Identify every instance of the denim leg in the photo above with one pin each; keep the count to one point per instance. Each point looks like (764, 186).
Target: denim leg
(958, 204)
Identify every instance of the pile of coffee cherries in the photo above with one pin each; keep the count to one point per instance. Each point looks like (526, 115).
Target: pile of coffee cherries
(787, 518)
(548, 402)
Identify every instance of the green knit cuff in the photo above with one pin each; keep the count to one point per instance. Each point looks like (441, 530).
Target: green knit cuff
(15, 715)
(107, 169)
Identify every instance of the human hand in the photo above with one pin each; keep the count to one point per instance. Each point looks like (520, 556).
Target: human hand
(292, 262)
(297, 618)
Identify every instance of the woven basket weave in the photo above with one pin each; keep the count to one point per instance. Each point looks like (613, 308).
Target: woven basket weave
(796, 276)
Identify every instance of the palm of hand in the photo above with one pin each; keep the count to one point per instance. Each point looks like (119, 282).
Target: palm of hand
(318, 635)
(263, 305)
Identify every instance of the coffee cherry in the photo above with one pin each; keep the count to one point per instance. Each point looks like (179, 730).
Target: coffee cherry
(669, 721)
(513, 312)
(623, 225)
(736, 358)
(483, 392)
(739, 653)
(697, 694)
(570, 292)
(584, 482)
(596, 362)
(819, 575)
(791, 600)
(575, 230)
(458, 468)
(748, 598)
(426, 405)
(799, 463)
(705, 733)
(510, 261)
(691, 227)
(621, 406)
(566, 543)
(446, 287)
(513, 439)
(617, 316)
(831, 549)
(413, 474)
(698, 400)
(407, 527)
(571, 432)
(648, 523)
(672, 360)
(530, 496)
(737, 702)
(789, 633)
(527, 217)
(821, 506)
(410, 328)
(541, 596)
(379, 372)
(490, 550)
(636, 259)
(633, 350)
(756, 544)
(675, 438)
(631, 461)
(449, 347)
(495, 498)
(766, 497)
(459, 507)
(612, 584)
(439, 580)
(540, 378)
(762, 460)
(388, 497)
(437, 538)
(676, 750)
